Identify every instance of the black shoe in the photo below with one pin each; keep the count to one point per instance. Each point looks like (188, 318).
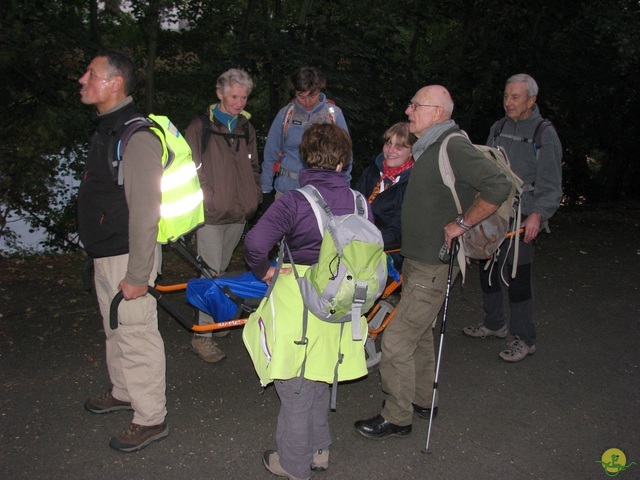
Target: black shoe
(378, 427)
(424, 412)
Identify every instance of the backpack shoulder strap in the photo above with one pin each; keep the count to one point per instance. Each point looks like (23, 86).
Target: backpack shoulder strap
(206, 132)
(286, 120)
(536, 141)
(131, 126)
(115, 134)
(498, 130)
(320, 208)
(245, 128)
(361, 205)
(331, 111)
(537, 135)
(448, 177)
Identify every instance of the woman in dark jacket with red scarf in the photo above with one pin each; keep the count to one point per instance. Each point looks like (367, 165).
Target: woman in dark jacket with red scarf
(384, 183)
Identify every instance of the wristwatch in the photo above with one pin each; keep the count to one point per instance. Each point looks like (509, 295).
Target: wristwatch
(460, 223)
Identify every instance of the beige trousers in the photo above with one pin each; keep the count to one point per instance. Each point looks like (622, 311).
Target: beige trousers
(407, 366)
(135, 350)
(216, 244)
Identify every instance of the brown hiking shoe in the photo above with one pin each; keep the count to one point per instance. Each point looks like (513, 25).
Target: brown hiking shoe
(207, 349)
(105, 403)
(271, 461)
(136, 437)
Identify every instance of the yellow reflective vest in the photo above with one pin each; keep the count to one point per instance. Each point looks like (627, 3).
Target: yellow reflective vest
(181, 210)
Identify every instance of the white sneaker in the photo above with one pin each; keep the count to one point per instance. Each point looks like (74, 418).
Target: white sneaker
(320, 460)
(517, 350)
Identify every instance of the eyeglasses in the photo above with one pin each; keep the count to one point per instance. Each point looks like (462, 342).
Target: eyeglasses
(311, 96)
(413, 105)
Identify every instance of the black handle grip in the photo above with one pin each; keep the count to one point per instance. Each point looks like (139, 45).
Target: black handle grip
(163, 302)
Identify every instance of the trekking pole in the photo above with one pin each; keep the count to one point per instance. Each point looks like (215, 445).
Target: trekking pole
(452, 258)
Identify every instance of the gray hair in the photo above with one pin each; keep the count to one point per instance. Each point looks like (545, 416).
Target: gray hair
(234, 76)
(530, 84)
(120, 65)
(448, 106)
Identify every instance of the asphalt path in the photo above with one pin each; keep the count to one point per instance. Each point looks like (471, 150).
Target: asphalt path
(551, 416)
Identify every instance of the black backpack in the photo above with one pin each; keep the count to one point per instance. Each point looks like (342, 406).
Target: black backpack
(536, 141)
(207, 131)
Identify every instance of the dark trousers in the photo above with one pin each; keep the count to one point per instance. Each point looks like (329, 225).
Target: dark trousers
(519, 289)
(303, 423)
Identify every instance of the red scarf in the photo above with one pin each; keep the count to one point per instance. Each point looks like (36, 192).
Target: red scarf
(389, 175)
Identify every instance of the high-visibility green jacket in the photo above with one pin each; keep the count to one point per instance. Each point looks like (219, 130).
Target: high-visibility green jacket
(271, 333)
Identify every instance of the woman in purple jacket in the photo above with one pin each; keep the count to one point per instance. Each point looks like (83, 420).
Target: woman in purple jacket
(302, 434)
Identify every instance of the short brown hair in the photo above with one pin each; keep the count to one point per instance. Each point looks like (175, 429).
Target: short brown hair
(307, 79)
(403, 136)
(325, 145)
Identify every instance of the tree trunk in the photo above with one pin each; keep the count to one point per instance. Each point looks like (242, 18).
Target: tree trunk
(272, 68)
(246, 26)
(304, 10)
(153, 27)
(94, 24)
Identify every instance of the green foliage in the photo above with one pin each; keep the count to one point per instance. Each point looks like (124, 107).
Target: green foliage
(375, 55)
(40, 113)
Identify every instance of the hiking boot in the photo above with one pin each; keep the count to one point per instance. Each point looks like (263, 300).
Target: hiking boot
(517, 350)
(105, 403)
(136, 437)
(220, 333)
(207, 349)
(480, 331)
(320, 460)
(271, 462)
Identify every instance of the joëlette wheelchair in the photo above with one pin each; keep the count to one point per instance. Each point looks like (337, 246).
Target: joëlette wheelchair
(377, 318)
